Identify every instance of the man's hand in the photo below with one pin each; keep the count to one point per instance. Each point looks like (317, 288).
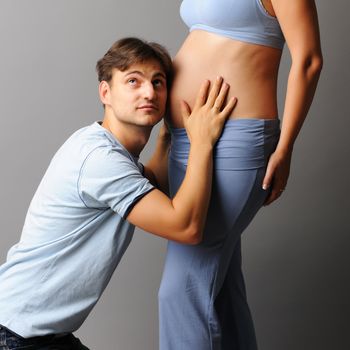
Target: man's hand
(182, 218)
(205, 122)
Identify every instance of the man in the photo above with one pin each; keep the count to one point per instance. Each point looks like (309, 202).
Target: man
(94, 193)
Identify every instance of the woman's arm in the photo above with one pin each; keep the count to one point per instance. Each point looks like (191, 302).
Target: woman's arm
(299, 23)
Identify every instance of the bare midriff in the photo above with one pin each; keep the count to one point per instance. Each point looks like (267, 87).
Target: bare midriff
(250, 70)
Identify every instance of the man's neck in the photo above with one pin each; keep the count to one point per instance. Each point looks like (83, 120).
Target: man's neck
(132, 137)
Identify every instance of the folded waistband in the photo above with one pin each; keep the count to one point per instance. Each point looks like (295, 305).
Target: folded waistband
(241, 124)
(243, 144)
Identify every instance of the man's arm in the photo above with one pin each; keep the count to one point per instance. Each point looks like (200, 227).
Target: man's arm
(182, 218)
(156, 169)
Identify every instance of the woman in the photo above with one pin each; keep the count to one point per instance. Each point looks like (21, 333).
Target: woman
(202, 297)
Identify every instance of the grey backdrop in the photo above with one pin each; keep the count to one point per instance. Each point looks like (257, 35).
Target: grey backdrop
(295, 253)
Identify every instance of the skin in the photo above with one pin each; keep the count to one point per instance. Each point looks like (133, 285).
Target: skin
(252, 72)
(268, 7)
(135, 101)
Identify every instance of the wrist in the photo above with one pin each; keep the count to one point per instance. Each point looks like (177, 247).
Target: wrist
(284, 149)
(202, 146)
(284, 152)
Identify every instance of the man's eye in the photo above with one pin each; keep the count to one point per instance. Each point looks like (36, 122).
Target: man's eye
(132, 81)
(158, 82)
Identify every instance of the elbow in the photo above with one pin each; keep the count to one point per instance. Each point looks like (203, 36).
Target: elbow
(311, 64)
(192, 235)
(196, 238)
(316, 63)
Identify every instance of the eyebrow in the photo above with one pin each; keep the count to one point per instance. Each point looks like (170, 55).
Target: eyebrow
(157, 74)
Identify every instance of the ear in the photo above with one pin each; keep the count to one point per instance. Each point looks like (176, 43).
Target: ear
(104, 92)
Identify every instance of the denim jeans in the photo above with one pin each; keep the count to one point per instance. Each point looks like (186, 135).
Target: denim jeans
(11, 341)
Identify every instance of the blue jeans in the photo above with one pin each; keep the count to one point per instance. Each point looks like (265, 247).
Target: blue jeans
(11, 341)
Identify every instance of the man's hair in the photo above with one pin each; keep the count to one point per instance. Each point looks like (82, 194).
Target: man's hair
(129, 51)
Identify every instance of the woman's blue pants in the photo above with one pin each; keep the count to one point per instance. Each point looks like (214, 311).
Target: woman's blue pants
(202, 297)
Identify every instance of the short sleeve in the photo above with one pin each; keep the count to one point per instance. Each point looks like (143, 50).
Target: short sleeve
(110, 179)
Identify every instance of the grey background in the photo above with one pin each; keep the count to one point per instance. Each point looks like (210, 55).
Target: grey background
(295, 252)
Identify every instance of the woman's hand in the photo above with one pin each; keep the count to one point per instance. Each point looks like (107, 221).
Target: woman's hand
(277, 174)
(205, 122)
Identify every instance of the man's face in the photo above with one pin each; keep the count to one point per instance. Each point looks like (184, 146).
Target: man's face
(138, 95)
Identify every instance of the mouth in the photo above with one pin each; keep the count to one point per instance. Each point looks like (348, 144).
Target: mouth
(148, 107)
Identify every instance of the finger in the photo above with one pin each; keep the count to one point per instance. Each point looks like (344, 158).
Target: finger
(267, 181)
(202, 94)
(185, 110)
(271, 198)
(214, 92)
(275, 194)
(221, 98)
(229, 107)
(277, 190)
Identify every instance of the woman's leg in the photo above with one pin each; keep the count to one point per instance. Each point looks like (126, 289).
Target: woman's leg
(202, 289)
(237, 330)
(185, 291)
(195, 275)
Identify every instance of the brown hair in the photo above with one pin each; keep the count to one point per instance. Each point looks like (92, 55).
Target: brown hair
(128, 51)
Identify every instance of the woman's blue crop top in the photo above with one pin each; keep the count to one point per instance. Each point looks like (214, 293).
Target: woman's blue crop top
(243, 20)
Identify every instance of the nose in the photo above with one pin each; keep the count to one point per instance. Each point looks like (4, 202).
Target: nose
(149, 91)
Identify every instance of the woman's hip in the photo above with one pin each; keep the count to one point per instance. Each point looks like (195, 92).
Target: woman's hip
(245, 144)
(240, 160)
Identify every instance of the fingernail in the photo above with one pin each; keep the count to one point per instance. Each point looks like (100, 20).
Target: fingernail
(265, 187)
(218, 78)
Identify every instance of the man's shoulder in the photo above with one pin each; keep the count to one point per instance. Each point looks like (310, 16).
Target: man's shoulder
(93, 134)
(104, 159)
(94, 139)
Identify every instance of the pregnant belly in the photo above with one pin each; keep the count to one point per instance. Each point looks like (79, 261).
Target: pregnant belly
(251, 72)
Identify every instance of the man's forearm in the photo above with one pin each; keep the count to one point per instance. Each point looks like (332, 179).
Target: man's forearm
(182, 218)
(191, 202)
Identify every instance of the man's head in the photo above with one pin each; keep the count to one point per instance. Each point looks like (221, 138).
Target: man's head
(129, 51)
(134, 78)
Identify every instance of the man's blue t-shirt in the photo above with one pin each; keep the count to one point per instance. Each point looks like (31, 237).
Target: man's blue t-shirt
(74, 235)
